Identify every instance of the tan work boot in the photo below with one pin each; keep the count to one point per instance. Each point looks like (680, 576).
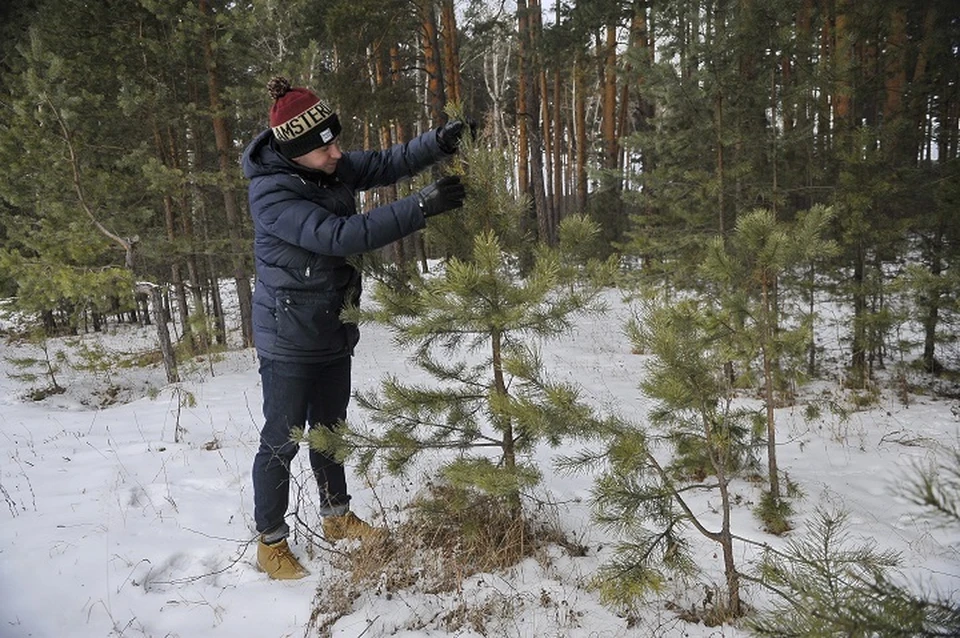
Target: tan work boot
(278, 561)
(350, 527)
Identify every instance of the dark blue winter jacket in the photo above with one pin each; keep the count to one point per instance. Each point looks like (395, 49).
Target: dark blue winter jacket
(305, 226)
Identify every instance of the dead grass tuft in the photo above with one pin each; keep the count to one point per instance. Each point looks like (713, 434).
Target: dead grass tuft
(481, 532)
(449, 535)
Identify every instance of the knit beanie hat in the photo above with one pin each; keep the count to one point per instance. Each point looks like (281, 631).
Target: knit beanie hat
(299, 119)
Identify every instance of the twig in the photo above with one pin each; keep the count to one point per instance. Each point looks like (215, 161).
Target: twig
(369, 625)
(190, 579)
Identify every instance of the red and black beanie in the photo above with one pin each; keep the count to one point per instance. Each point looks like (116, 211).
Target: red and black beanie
(299, 119)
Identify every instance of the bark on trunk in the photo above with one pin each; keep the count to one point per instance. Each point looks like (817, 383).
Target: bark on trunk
(932, 311)
(580, 127)
(545, 232)
(608, 125)
(227, 166)
(176, 262)
(768, 367)
(163, 335)
(523, 63)
(436, 96)
(558, 185)
(451, 51)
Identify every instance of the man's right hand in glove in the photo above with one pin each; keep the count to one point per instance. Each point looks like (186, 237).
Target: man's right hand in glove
(444, 194)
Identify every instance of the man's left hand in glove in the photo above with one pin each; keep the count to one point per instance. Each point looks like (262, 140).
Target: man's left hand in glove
(450, 134)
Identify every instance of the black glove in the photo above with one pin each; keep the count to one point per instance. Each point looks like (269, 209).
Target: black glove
(448, 135)
(444, 194)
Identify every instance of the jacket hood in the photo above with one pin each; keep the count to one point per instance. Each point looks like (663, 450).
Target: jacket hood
(262, 158)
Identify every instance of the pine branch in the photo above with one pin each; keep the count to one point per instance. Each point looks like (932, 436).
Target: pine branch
(127, 244)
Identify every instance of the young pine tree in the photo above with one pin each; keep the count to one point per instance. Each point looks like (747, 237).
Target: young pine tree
(746, 274)
(646, 497)
(45, 367)
(474, 329)
(827, 584)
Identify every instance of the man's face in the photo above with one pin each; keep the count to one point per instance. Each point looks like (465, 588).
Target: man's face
(323, 159)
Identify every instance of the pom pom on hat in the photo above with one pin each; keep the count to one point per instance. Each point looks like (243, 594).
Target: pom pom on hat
(300, 120)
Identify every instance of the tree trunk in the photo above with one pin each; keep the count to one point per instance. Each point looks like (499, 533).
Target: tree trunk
(436, 93)
(163, 335)
(608, 122)
(842, 69)
(802, 95)
(548, 234)
(169, 158)
(721, 174)
(921, 83)
(176, 278)
(216, 305)
(931, 318)
(718, 458)
(580, 129)
(548, 158)
(227, 167)
(558, 143)
(436, 96)
(523, 76)
(859, 345)
(729, 565)
(768, 381)
(506, 426)
(824, 130)
(412, 246)
(378, 61)
(637, 40)
(451, 51)
(895, 79)
(529, 19)
(190, 202)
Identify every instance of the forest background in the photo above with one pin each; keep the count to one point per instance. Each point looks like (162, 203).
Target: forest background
(667, 124)
(122, 125)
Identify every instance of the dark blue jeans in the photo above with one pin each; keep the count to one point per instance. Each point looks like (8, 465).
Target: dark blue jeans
(295, 394)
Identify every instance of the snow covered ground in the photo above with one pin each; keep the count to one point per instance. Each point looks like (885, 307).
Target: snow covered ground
(135, 519)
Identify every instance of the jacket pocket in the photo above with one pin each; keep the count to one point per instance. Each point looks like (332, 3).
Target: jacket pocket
(310, 321)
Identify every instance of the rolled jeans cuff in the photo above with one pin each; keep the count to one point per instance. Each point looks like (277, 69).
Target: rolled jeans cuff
(276, 534)
(334, 510)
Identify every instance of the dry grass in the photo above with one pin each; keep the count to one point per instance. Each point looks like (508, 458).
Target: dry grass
(449, 535)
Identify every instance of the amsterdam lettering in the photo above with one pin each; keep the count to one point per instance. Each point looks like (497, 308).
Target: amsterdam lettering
(299, 125)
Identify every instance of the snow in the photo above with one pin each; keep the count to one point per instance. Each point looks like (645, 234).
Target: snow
(135, 519)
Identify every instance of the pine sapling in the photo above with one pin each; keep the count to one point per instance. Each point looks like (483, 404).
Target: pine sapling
(646, 496)
(32, 369)
(474, 330)
(746, 274)
(826, 583)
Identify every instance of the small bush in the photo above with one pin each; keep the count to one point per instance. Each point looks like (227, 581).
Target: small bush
(774, 513)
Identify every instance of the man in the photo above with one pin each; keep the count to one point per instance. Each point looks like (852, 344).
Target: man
(306, 225)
